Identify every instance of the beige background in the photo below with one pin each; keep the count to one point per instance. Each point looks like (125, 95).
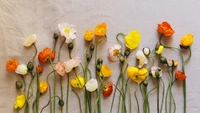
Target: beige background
(20, 18)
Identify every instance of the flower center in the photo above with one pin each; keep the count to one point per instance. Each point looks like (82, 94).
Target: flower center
(115, 52)
(66, 30)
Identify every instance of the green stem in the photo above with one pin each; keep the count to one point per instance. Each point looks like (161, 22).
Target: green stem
(130, 103)
(135, 94)
(35, 51)
(163, 95)
(37, 94)
(67, 96)
(47, 79)
(146, 98)
(120, 43)
(78, 100)
(158, 84)
(48, 103)
(32, 78)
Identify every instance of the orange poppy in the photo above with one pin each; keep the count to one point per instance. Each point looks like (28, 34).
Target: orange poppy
(45, 54)
(39, 69)
(11, 65)
(180, 75)
(165, 28)
(100, 29)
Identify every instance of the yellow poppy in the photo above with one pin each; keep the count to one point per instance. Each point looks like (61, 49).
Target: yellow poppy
(133, 39)
(20, 101)
(187, 40)
(137, 74)
(105, 71)
(43, 87)
(160, 49)
(88, 35)
(78, 82)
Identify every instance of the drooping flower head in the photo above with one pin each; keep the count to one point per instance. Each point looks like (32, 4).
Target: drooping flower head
(132, 39)
(60, 69)
(20, 101)
(165, 29)
(142, 58)
(78, 82)
(105, 71)
(100, 29)
(160, 49)
(136, 74)
(30, 40)
(186, 40)
(11, 65)
(88, 35)
(91, 85)
(146, 51)
(156, 71)
(45, 54)
(72, 63)
(68, 31)
(43, 86)
(180, 75)
(21, 69)
(114, 52)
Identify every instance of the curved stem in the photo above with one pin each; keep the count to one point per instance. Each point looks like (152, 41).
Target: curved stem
(47, 79)
(158, 88)
(48, 103)
(35, 51)
(117, 37)
(60, 49)
(78, 100)
(146, 98)
(32, 78)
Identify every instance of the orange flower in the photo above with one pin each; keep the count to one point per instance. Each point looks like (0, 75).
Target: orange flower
(180, 75)
(39, 69)
(11, 65)
(100, 29)
(165, 28)
(46, 53)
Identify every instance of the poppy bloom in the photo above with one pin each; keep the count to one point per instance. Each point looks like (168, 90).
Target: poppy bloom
(180, 75)
(91, 85)
(165, 29)
(88, 35)
(72, 63)
(132, 39)
(39, 69)
(60, 69)
(136, 74)
(107, 90)
(186, 40)
(113, 52)
(105, 71)
(30, 40)
(78, 82)
(11, 65)
(45, 54)
(43, 87)
(20, 101)
(100, 29)
(142, 58)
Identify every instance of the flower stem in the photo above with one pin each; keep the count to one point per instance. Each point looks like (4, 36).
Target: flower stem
(78, 100)
(163, 95)
(35, 51)
(47, 79)
(158, 87)
(67, 96)
(135, 92)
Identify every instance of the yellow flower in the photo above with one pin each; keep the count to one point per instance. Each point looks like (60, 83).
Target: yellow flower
(88, 35)
(137, 74)
(187, 40)
(105, 71)
(160, 49)
(133, 39)
(20, 101)
(100, 29)
(78, 82)
(43, 87)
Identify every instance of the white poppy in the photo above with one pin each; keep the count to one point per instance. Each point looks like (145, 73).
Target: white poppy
(146, 51)
(21, 69)
(30, 40)
(113, 52)
(72, 63)
(91, 85)
(142, 58)
(68, 31)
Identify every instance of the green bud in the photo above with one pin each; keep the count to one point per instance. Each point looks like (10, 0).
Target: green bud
(70, 46)
(121, 59)
(157, 74)
(126, 52)
(61, 103)
(92, 47)
(30, 66)
(88, 57)
(55, 36)
(19, 84)
(163, 60)
(99, 61)
(98, 67)
(145, 83)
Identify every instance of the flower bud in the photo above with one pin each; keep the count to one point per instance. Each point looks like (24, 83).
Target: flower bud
(145, 83)
(70, 46)
(55, 36)
(92, 46)
(19, 84)
(98, 67)
(157, 73)
(30, 66)
(61, 103)
(88, 57)
(99, 61)
(146, 51)
(121, 59)
(163, 60)
(126, 52)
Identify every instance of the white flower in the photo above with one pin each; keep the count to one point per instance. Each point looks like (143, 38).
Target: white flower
(91, 85)
(30, 40)
(170, 62)
(21, 69)
(113, 52)
(146, 51)
(70, 64)
(142, 58)
(68, 31)
(155, 69)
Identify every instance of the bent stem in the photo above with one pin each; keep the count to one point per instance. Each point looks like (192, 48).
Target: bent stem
(79, 101)
(135, 92)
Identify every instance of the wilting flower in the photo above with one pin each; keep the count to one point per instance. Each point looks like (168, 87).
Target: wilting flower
(43, 86)
(100, 29)
(20, 101)
(78, 82)
(180, 75)
(60, 69)
(136, 74)
(45, 54)
(132, 39)
(39, 69)
(30, 40)
(142, 58)
(105, 71)
(156, 71)
(21, 69)
(187, 40)
(68, 31)
(91, 85)
(88, 35)
(11, 65)
(72, 63)
(165, 28)
(113, 52)
(146, 51)
(160, 49)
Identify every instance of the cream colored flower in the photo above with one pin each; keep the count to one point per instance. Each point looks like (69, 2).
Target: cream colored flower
(60, 69)
(91, 85)
(68, 31)
(113, 52)
(72, 63)
(30, 40)
(21, 69)
(142, 58)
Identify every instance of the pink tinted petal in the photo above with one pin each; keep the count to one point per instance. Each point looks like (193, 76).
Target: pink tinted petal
(60, 69)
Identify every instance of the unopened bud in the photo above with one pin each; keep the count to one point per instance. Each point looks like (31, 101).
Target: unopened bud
(30, 66)
(70, 46)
